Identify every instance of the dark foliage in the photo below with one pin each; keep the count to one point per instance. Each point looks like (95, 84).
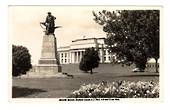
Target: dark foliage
(132, 35)
(90, 60)
(21, 60)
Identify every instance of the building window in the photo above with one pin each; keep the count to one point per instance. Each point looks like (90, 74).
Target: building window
(62, 55)
(65, 60)
(109, 58)
(65, 55)
(68, 55)
(62, 61)
(104, 52)
(104, 58)
(108, 51)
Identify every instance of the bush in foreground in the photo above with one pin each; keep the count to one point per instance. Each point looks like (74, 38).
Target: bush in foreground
(120, 89)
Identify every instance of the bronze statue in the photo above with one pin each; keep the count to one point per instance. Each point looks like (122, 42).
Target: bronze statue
(50, 24)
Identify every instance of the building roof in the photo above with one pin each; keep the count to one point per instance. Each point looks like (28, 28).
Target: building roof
(86, 39)
(81, 44)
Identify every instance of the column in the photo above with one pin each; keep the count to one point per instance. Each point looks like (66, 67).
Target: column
(60, 57)
(72, 61)
(69, 58)
(101, 56)
(77, 57)
(74, 58)
(107, 59)
(81, 54)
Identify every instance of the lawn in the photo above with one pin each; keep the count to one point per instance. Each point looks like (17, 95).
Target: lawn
(62, 87)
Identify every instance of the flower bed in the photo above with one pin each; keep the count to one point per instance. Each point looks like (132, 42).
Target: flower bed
(119, 89)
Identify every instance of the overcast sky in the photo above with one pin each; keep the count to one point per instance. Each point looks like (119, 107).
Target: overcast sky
(76, 22)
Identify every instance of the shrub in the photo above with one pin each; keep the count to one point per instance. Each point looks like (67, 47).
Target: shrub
(90, 60)
(119, 89)
(21, 60)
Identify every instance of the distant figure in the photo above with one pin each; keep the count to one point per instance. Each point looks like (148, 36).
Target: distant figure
(50, 24)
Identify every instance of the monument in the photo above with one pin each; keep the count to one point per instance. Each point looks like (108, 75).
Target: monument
(48, 64)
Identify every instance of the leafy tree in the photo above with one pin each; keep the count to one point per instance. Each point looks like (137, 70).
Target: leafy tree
(21, 60)
(133, 35)
(90, 60)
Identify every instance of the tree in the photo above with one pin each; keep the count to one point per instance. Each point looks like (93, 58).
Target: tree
(90, 60)
(21, 60)
(132, 35)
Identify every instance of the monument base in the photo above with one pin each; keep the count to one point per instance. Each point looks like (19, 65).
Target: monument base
(45, 71)
(48, 64)
(48, 69)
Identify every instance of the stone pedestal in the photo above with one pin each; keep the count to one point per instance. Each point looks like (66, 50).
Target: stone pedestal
(48, 64)
(49, 51)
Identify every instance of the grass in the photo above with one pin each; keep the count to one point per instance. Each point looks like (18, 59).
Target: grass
(62, 87)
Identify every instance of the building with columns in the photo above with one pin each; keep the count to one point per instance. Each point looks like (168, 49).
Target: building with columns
(73, 53)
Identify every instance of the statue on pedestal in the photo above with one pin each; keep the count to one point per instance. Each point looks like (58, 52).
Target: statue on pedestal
(48, 64)
(49, 24)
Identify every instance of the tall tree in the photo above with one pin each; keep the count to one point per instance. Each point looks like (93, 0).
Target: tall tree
(133, 35)
(90, 60)
(21, 60)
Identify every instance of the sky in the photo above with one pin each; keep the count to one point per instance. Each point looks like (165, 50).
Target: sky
(76, 22)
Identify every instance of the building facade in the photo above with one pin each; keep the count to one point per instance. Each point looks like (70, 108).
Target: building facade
(73, 53)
